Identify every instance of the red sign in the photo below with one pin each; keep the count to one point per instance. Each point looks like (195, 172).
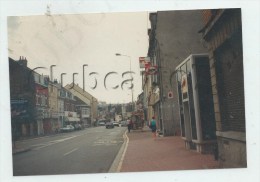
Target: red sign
(184, 85)
(151, 70)
(170, 95)
(143, 61)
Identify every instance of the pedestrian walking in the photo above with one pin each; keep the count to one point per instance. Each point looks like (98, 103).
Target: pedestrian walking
(129, 125)
(153, 126)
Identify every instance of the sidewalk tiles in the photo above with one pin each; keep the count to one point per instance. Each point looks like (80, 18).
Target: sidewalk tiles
(144, 153)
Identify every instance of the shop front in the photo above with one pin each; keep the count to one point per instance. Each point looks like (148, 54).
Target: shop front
(21, 118)
(71, 118)
(197, 118)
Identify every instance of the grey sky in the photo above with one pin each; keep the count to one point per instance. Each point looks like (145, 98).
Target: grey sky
(69, 41)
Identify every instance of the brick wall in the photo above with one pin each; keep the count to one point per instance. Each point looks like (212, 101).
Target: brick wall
(22, 84)
(224, 39)
(230, 79)
(22, 88)
(208, 14)
(225, 43)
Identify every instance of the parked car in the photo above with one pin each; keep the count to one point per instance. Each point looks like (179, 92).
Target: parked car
(86, 125)
(109, 125)
(77, 127)
(115, 123)
(101, 122)
(67, 128)
(123, 123)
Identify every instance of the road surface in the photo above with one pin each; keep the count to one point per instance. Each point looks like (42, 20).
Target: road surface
(92, 150)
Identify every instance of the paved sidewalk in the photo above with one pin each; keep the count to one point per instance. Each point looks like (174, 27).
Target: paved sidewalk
(143, 153)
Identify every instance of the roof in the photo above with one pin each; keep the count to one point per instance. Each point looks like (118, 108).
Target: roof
(80, 93)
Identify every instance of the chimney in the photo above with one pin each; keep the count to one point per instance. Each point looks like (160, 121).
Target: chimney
(55, 81)
(23, 61)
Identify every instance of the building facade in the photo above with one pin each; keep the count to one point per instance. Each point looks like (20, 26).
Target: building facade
(22, 94)
(61, 98)
(52, 124)
(148, 101)
(222, 33)
(70, 112)
(40, 106)
(41, 101)
(87, 98)
(172, 38)
(83, 111)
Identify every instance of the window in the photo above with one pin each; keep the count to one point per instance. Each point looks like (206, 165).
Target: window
(44, 98)
(37, 100)
(84, 111)
(67, 106)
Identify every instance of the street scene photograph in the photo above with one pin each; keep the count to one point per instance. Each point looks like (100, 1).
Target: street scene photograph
(124, 92)
(127, 92)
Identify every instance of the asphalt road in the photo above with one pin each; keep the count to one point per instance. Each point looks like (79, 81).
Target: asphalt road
(92, 150)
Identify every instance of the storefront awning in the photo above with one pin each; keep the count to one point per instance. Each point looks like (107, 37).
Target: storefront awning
(72, 119)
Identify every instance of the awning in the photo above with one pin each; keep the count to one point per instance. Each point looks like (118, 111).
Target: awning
(72, 119)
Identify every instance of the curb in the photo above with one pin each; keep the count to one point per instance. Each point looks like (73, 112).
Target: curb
(117, 163)
(21, 151)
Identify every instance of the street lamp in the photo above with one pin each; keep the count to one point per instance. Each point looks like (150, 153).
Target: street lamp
(61, 78)
(51, 72)
(74, 78)
(61, 94)
(118, 54)
(84, 76)
(51, 75)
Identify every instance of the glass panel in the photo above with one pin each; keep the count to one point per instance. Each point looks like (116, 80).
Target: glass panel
(183, 72)
(191, 101)
(180, 103)
(205, 99)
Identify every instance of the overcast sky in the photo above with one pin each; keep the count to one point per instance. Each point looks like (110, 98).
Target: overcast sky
(69, 41)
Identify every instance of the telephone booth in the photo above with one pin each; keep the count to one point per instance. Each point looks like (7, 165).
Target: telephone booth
(197, 119)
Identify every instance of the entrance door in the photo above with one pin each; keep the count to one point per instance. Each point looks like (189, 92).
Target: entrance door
(187, 124)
